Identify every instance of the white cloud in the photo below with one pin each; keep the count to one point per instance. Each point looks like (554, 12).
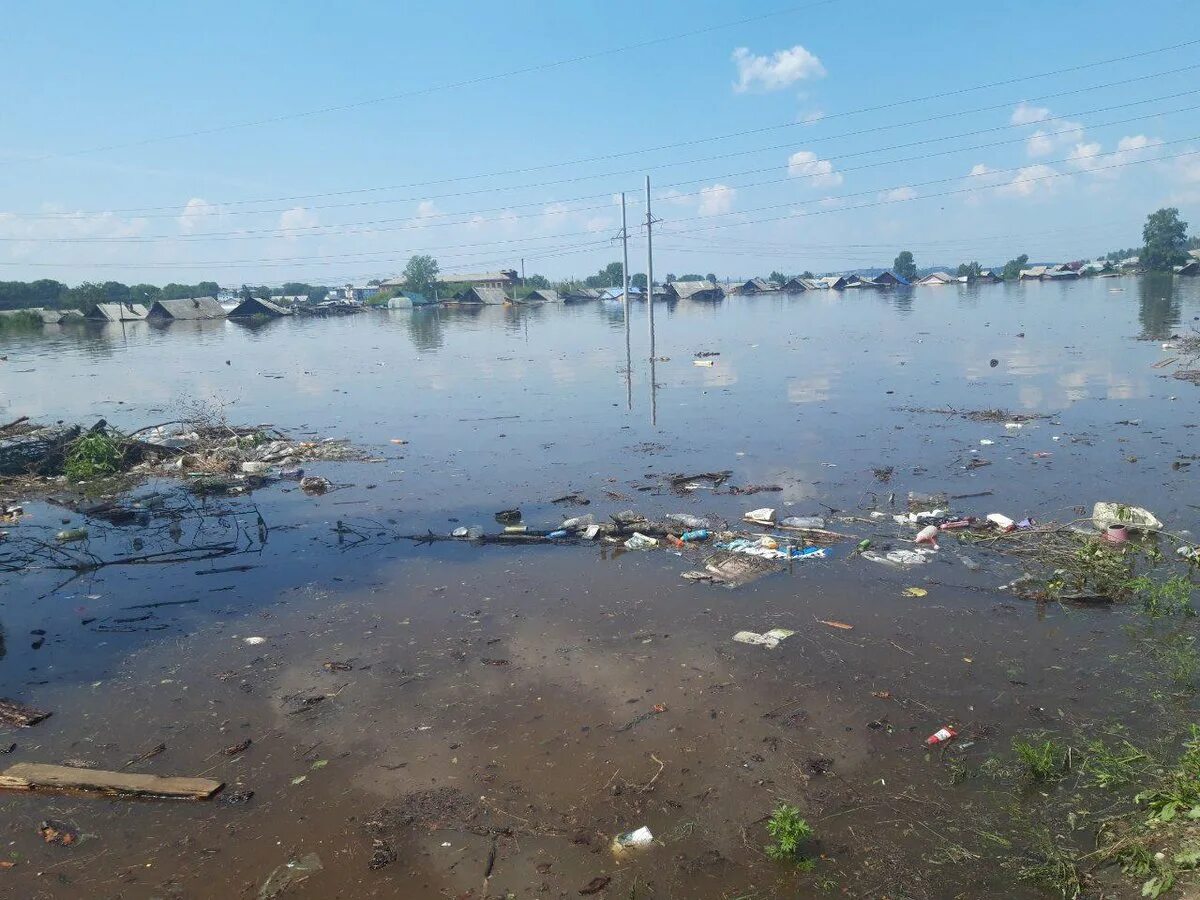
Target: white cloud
(716, 200)
(27, 238)
(897, 195)
(1086, 158)
(815, 115)
(196, 212)
(1025, 114)
(1064, 133)
(819, 172)
(297, 218)
(774, 72)
(427, 209)
(1032, 180)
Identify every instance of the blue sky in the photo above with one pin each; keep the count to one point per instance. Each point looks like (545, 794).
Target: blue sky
(96, 182)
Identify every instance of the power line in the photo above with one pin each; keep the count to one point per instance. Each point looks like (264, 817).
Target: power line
(571, 248)
(694, 141)
(420, 223)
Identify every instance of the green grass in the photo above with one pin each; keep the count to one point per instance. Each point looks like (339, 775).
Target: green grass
(93, 456)
(1172, 597)
(1113, 767)
(20, 321)
(789, 831)
(1052, 867)
(1043, 761)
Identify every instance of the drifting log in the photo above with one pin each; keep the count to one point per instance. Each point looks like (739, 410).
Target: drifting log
(40, 452)
(39, 777)
(19, 715)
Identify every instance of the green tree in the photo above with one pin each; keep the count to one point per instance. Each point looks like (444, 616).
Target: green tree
(115, 292)
(1012, 268)
(777, 277)
(711, 277)
(671, 277)
(807, 274)
(144, 294)
(969, 270)
(904, 266)
(1165, 237)
(638, 280)
(421, 273)
(537, 282)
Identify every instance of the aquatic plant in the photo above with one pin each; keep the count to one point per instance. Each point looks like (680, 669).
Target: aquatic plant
(1043, 761)
(1052, 867)
(1112, 767)
(790, 831)
(92, 456)
(1172, 597)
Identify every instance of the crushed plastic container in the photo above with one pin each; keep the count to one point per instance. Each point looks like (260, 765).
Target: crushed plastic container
(687, 521)
(762, 516)
(639, 837)
(927, 535)
(1003, 522)
(700, 534)
(639, 541)
(579, 523)
(802, 522)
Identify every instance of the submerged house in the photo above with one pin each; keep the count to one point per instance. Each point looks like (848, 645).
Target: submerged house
(757, 286)
(60, 316)
(937, 278)
(253, 307)
(1192, 267)
(192, 309)
(486, 296)
(800, 285)
(694, 290)
(583, 295)
(989, 276)
(116, 312)
(408, 300)
(890, 279)
(835, 282)
(1035, 273)
(541, 295)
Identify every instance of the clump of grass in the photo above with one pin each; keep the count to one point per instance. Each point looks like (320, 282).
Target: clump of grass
(92, 456)
(1045, 760)
(1112, 767)
(1179, 795)
(22, 320)
(1052, 867)
(1172, 597)
(789, 831)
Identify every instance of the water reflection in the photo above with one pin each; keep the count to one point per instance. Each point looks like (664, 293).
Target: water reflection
(1158, 305)
(425, 328)
(902, 299)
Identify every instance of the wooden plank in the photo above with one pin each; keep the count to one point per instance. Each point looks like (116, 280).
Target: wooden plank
(20, 715)
(39, 777)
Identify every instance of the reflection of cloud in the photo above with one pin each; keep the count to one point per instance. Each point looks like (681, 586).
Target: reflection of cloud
(809, 390)
(1030, 397)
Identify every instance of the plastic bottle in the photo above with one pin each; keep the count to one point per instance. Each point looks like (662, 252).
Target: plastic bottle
(700, 534)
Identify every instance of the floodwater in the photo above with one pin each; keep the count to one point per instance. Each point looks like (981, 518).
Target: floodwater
(562, 695)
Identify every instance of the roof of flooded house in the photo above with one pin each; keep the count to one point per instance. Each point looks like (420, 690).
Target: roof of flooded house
(188, 308)
(488, 295)
(256, 306)
(117, 312)
(685, 289)
(546, 295)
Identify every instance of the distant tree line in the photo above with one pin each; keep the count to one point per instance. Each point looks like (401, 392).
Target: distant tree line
(46, 292)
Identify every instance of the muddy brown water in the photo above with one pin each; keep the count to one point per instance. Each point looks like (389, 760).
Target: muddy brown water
(522, 683)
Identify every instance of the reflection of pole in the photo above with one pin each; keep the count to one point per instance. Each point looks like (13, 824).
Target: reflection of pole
(650, 269)
(625, 261)
(625, 298)
(653, 393)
